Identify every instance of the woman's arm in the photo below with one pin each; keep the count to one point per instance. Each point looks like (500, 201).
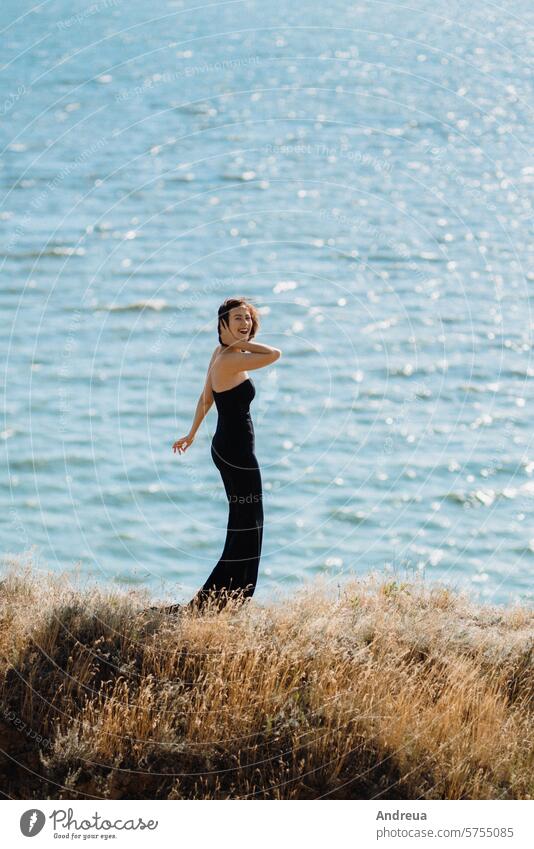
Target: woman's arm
(206, 397)
(256, 348)
(256, 355)
(203, 405)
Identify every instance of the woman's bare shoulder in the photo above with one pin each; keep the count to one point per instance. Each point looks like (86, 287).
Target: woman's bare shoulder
(216, 352)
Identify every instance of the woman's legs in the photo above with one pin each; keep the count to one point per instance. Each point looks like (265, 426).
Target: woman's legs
(236, 573)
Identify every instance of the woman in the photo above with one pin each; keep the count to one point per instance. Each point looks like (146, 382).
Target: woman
(232, 451)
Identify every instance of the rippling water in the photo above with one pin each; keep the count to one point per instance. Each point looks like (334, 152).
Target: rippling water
(363, 175)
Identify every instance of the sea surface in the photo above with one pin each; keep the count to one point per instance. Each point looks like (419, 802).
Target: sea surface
(362, 172)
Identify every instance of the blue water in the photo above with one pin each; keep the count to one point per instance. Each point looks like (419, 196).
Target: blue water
(361, 171)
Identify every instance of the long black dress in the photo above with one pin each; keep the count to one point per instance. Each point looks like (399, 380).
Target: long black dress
(232, 451)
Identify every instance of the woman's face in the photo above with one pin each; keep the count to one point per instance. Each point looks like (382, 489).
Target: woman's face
(240, 322)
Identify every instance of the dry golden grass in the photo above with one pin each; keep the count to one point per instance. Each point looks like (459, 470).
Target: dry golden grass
(374, 690)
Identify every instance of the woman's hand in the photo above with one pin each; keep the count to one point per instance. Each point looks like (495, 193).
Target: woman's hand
(183, 444)
(227, 338)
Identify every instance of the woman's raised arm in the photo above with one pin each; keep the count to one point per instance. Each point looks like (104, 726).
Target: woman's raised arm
(256, 355)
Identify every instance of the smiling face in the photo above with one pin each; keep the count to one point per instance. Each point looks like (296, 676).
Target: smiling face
(240, 322)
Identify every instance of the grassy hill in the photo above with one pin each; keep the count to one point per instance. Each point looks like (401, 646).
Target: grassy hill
(377, 689)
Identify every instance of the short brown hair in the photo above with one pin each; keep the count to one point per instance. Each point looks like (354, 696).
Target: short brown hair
(230, 304)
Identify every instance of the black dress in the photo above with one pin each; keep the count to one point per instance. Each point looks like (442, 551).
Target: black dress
(232, 451)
